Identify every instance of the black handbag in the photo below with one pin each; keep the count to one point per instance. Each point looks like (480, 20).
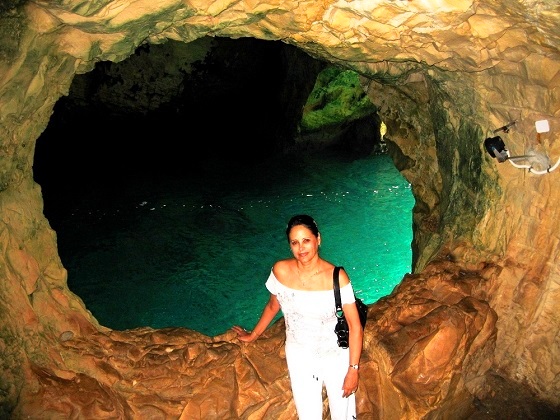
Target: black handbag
(341, 328)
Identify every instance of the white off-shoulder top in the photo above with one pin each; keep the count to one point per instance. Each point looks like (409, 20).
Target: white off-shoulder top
(309, 315)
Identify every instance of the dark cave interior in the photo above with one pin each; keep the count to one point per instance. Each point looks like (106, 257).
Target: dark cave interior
(235, 103)
(157, 114)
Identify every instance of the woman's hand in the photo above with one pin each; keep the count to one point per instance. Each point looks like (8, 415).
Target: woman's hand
(243, 334)
(350, 382)
(269, 312)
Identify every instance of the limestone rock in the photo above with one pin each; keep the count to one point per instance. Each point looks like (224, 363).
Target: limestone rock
(444, 75)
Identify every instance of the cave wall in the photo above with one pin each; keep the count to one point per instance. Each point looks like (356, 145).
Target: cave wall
(443, 80)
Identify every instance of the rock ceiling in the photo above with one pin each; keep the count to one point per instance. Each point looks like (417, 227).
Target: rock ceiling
(445, 75)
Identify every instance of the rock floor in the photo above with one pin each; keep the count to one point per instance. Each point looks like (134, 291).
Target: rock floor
(512, 401)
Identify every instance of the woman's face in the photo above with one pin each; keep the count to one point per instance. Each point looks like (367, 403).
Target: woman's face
(303, 243)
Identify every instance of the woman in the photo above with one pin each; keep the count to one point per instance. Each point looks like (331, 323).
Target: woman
(302, 287)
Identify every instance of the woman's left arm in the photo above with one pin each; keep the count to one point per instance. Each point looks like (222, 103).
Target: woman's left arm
(355, 338)
(355, 341)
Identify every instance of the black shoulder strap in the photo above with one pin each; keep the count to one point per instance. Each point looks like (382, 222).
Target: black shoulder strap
(336, 288)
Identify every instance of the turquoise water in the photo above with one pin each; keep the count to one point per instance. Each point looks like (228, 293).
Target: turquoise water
(195, 251)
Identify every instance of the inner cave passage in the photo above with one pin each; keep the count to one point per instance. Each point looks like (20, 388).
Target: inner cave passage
(169, 186)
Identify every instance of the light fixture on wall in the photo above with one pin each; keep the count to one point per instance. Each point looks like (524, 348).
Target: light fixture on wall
(496, 148)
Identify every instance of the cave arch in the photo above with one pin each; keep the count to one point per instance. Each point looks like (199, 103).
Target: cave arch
(188, 107)
(441, 79)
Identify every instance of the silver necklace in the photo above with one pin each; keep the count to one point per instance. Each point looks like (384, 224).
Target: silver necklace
(303, 280)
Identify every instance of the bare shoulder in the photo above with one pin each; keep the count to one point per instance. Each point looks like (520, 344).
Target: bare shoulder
(282, 268)
(343, 278)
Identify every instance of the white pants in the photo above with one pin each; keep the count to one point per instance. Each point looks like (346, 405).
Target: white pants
(308, 374)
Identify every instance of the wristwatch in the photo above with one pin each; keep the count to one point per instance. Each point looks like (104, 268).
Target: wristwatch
(355, 366)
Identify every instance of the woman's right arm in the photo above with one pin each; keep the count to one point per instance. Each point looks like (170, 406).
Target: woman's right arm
(269, 312)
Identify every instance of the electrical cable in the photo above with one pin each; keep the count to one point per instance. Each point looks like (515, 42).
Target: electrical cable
(530, 167)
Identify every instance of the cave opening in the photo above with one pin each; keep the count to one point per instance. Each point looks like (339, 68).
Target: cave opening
(185, 117)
